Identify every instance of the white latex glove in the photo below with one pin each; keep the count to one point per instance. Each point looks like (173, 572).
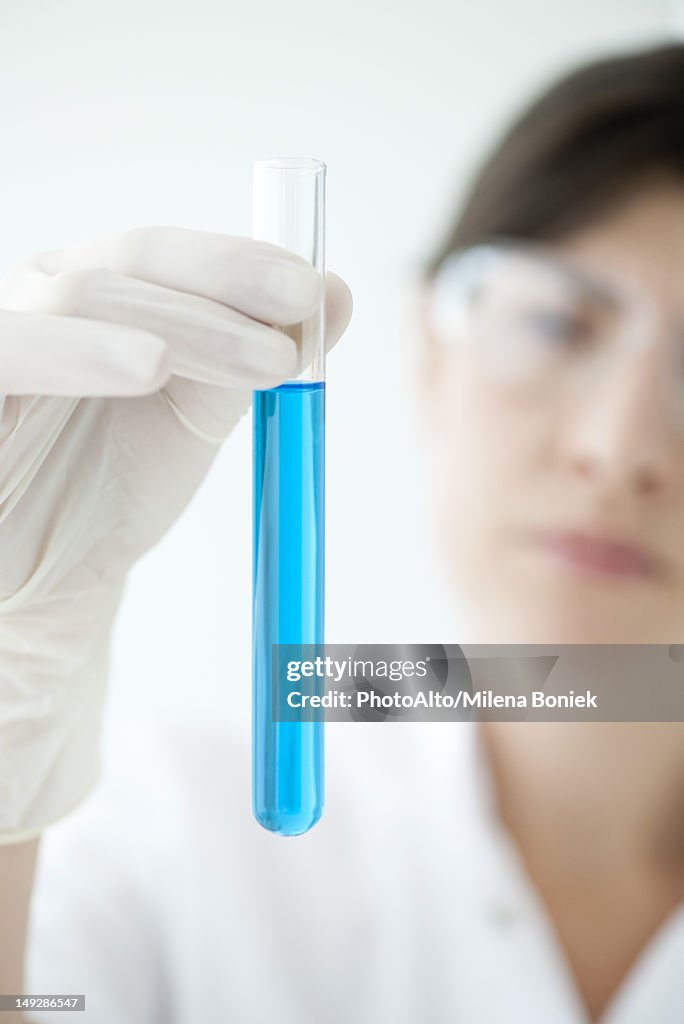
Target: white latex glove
(123, 365)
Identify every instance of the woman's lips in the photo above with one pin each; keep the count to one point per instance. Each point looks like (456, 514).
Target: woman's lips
(601, 556)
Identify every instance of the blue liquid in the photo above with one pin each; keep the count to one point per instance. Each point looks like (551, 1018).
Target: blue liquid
(288, 580)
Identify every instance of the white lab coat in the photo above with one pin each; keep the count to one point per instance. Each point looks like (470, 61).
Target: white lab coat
(165, 903)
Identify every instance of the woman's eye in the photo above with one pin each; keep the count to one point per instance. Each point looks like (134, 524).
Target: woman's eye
(556, 325)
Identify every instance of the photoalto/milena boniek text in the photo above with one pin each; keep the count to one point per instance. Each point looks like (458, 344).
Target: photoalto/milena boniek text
(451, 682)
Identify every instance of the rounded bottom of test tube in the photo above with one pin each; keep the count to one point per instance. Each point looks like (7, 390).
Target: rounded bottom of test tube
(284, 824)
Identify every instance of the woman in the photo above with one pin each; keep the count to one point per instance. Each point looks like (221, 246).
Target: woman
(538, 875)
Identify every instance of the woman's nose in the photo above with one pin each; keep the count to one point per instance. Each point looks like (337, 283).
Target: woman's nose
(622, 429)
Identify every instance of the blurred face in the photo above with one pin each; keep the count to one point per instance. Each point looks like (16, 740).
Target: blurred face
(557, 407)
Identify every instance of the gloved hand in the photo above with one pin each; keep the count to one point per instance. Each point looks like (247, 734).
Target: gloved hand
(123, 365)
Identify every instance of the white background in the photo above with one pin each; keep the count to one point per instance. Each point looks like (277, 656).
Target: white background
(151, 111)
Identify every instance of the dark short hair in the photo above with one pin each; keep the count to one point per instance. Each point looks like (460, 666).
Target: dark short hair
(584, 145)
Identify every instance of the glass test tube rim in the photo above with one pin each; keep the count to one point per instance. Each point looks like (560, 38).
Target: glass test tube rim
(305, 164)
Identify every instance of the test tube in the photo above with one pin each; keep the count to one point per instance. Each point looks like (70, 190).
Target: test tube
(288, 512)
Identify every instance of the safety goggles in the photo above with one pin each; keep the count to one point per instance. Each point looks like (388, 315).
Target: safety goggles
(536, 319)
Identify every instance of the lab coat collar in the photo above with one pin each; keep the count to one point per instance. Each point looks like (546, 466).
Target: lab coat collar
(508, 899)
